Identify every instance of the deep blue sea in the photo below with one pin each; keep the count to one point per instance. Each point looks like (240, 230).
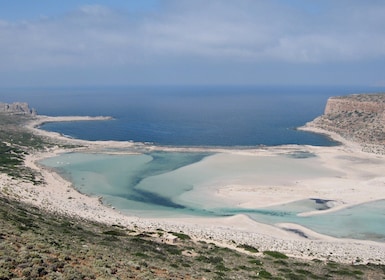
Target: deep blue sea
(186, 116)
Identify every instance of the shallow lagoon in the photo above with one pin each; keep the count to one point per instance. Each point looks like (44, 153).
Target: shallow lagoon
(164, 184)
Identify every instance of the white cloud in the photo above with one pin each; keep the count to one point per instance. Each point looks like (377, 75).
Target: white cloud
(234, 31)
(95, 10)
(262, 31)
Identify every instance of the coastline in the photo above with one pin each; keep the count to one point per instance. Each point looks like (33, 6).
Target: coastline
(58, 195)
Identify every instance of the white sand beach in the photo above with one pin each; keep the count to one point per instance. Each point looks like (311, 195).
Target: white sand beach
(350, 177)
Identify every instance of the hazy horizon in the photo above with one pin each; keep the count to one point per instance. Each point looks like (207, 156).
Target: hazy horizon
(178, 42)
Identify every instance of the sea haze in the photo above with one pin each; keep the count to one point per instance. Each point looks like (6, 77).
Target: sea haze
(189, 116)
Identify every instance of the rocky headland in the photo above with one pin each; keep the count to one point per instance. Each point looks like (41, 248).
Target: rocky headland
(19, 108)
(359, 118)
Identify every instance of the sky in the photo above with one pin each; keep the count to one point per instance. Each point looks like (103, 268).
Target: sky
(192, 42)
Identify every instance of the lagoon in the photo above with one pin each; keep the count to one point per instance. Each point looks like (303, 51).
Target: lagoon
(185, 184)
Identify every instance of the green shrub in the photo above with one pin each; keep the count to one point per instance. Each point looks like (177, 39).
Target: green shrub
(275, 254)
(181, 236)
(256, 262)
(115, 232)
(248, 248)
(264, 274)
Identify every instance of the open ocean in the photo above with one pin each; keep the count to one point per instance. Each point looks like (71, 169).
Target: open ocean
(186, 116)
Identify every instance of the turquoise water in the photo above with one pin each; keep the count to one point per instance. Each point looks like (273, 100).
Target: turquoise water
(365, 221)
(116, 177)
(161, 184)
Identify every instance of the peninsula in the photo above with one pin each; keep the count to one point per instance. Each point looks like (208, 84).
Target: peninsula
(358, 118)
(356, 121)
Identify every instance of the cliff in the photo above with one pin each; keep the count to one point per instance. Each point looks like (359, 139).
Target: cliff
(365, 103)
(359, 118)
(17, 108)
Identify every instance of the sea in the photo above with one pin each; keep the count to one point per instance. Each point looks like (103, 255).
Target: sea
(185, 116)
(172, 184)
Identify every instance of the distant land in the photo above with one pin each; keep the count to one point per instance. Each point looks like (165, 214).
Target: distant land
(17, 108)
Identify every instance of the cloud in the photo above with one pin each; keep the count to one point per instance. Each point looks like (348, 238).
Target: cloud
(235, 31)
(92, 35)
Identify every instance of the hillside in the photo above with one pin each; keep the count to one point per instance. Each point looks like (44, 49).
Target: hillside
(40, 245)
(359, 118)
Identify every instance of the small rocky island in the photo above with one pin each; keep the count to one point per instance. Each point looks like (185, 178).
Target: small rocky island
(359, 118)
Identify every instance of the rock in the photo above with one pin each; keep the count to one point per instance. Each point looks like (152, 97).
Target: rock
(364, 103)
(359, 118)
(19, 108)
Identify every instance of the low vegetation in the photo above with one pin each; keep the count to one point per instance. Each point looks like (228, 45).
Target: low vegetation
(248, 248)
(39, 245)
(276, 255)
(15, 144)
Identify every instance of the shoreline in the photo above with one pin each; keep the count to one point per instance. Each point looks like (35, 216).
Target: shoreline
(58, 195)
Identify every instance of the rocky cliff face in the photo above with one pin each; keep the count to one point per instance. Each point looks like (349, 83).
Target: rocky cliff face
(370, 104)
(358, 117)
(17, 108)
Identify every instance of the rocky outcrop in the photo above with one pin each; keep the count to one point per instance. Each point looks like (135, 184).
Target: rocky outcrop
(18, 108)
(359, 118)
(365, 103)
